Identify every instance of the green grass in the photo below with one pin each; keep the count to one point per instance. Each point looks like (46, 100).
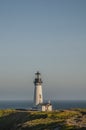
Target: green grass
(35, 120)
(6, 112)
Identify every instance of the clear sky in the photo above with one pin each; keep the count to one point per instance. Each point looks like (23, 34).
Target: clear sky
(44, 35)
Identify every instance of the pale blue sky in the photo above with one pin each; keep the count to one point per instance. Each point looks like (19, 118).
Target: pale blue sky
(44, 35)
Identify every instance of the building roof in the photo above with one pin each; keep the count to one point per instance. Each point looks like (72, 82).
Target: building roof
(46, 104)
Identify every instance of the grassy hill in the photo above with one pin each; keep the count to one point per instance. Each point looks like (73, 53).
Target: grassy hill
(74, 119)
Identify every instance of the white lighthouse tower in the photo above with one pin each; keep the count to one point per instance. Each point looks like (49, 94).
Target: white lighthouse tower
(38, 97)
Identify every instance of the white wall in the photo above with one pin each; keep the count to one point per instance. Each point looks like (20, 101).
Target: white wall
(38, 97)
(46, 107)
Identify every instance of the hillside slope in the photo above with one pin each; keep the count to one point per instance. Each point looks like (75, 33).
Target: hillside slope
(74, 119)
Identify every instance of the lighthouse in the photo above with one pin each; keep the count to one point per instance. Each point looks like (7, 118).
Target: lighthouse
(38, 97)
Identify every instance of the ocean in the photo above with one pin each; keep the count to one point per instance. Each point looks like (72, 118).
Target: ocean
(29, 104)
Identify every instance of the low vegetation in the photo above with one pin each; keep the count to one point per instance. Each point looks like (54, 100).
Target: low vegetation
(6, 112)
(74, 119)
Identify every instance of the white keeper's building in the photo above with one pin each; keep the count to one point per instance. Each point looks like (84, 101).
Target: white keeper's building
(46, 107)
